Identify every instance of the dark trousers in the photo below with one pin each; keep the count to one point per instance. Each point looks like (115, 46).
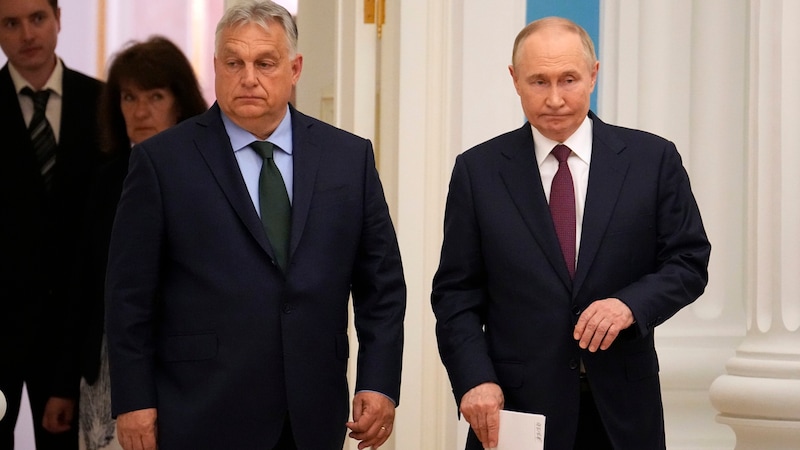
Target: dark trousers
(286, 441)
(11, 382)
(591, 432)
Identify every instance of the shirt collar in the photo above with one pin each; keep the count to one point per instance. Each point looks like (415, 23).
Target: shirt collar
(580, 142)
(55, 83)
(241, 138)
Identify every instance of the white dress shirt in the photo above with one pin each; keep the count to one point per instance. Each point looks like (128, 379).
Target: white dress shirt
(250, 162)
(56, 85)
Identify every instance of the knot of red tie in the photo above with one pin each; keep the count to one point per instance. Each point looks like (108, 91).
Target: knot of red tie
(561, 152)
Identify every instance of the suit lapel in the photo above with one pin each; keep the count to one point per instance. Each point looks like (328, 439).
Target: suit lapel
(520, 174)
(215, 148)
(13, 122)
(306, 157)
(606, 176)
(70, 111)
(20, 168)
(12, 114)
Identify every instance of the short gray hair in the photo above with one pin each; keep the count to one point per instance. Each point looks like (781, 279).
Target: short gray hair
(261, 12)
(560, 22)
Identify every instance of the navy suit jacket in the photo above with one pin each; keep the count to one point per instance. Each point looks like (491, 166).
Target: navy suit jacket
(39, 233)
(505, 304)
(201, 322)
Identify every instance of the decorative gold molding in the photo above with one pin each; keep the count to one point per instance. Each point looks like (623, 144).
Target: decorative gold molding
(381, 13)
(101, 38)
(369, 11)
(375, 12)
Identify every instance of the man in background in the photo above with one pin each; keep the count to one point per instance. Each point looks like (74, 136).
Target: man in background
(566, 242)
(239, 238)
(48, 132)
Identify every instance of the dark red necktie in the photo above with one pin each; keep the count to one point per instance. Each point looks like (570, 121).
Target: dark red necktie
(562, 207)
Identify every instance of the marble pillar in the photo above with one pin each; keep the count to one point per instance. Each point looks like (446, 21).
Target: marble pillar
(759, 396)
(677, 68)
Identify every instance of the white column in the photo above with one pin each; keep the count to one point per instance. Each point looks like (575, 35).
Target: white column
(677, 68)
(417, 114)
(444, 87)
(759, 397)
(399, 91)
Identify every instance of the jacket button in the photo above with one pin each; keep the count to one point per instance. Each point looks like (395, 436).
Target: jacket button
(576, 310)
(287, 308)
(573, 364)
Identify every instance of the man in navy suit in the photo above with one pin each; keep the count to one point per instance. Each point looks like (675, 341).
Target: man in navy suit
(221, 333)
(539, 317)
(42, 195)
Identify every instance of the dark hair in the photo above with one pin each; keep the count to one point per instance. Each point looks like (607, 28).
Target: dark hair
(153, 64)
(53, 4)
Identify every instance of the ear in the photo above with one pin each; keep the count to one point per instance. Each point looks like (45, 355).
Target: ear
(595, 71)
(297, 67)
(513, 77)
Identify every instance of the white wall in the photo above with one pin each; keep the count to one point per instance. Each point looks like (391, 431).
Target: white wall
(77, 41)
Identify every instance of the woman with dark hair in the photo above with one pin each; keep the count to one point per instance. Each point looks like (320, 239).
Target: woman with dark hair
(151, 86)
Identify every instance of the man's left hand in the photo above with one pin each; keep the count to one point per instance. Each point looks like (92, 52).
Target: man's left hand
(600, 324)
(58, 414)
(373, 418)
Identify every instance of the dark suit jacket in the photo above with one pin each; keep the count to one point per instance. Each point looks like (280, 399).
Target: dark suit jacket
(38, 233)
(87, 287)
(501, 268)
(202, 323)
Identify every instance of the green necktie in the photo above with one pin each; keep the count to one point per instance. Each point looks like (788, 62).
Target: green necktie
(276, 212)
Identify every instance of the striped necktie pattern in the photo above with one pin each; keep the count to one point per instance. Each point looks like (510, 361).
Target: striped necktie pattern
(42, 136)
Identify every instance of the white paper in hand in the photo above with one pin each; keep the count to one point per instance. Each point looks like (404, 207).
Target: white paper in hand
(521, 431)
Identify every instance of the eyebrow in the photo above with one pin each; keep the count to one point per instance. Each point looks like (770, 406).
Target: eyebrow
(38, 13)
(560, 74)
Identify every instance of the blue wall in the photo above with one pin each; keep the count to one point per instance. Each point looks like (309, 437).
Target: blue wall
(585, 13)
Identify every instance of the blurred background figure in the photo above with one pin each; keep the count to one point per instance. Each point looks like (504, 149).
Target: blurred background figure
(151, 86)
(49, 131)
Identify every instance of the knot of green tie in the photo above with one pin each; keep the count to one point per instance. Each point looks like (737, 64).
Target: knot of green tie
(263, 148)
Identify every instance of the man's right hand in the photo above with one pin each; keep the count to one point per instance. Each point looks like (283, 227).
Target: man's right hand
(481, 407)
(136, 430)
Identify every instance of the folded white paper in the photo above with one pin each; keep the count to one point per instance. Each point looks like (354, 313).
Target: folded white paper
(521, 431)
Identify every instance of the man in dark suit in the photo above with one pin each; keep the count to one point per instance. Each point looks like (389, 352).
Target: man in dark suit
(557, 267)
(49, 135)
(226, 330)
